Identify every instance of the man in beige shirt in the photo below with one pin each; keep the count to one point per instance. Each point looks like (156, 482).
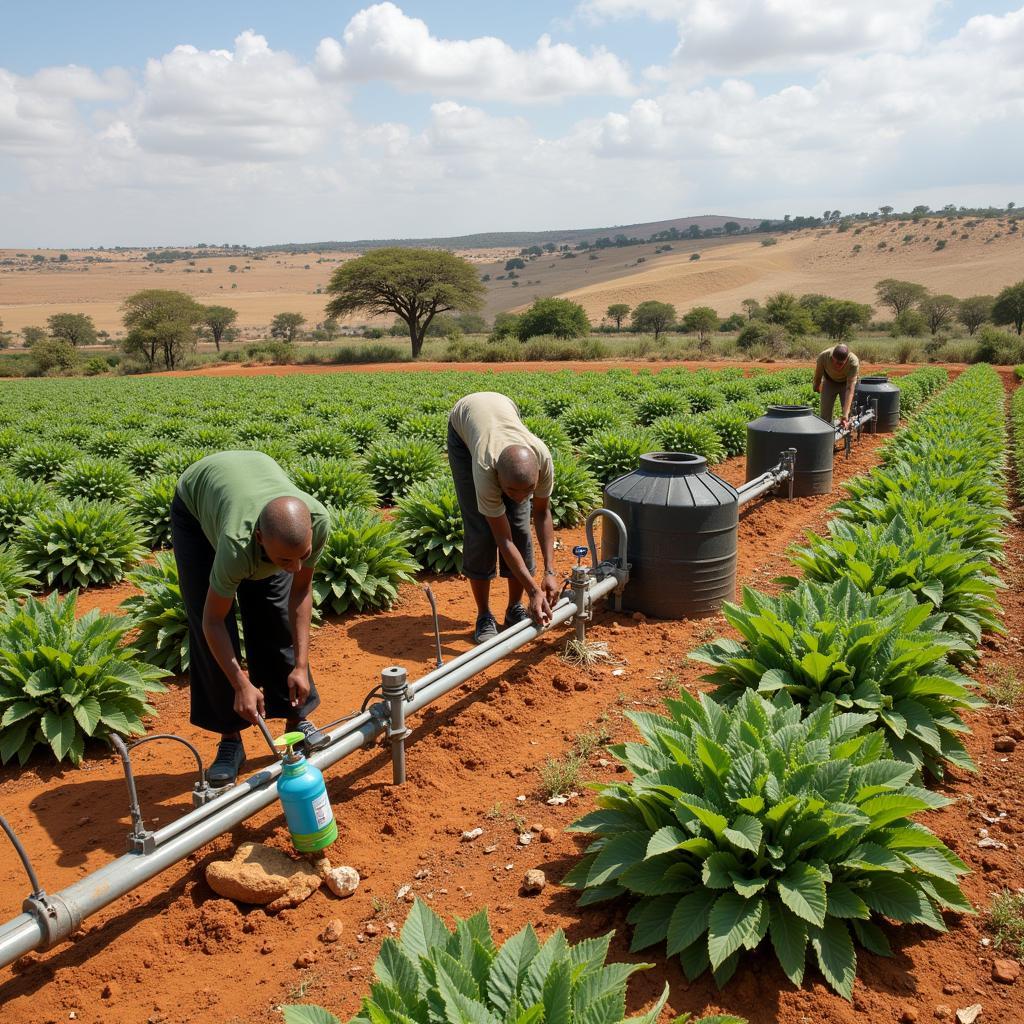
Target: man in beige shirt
(835, 376)
(498, 466)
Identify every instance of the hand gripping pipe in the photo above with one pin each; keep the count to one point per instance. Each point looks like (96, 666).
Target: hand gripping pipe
(49, 919)
(867, 415)
(769, 479)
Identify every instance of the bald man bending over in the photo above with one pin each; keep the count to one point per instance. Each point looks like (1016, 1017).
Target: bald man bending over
(498, 466)
(246, 539)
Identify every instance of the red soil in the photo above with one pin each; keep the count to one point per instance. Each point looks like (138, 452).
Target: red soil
(172, 951)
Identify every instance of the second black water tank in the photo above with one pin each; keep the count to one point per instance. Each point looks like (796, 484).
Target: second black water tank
(793, 426)
(681, 521)
(882, 390)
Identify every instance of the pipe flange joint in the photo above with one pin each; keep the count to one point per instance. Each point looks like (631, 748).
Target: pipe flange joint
(394, 683)
(56, 918)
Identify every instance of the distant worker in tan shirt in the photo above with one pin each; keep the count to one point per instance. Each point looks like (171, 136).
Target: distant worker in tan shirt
(498, 466)
(835, 376)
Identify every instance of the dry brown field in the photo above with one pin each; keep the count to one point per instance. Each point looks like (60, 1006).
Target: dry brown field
(728, 271)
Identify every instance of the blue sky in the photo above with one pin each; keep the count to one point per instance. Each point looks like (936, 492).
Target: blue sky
(314, 120)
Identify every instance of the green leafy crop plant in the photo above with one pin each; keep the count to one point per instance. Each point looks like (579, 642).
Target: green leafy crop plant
(433, 974)
(576, 492)
(21, 498)
(64, 680)
(42, 460)
(691, 435)
(364, 562)
(832, 645)
(97, 479)
(395, 465)
(325, 442)
(150, 506)
(336, 482)
(158, 614)
(430, 516)
(611, 453)
(79, 543)
(901, 555)
(753, 826)
(16, 579)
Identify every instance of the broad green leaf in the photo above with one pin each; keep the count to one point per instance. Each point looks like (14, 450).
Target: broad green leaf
(802, 889)
(833, 948)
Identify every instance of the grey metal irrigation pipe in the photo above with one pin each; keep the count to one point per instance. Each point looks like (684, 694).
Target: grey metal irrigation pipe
(48, 919)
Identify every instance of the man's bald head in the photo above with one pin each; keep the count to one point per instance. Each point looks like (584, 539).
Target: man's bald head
(285, 524)
(518, 471)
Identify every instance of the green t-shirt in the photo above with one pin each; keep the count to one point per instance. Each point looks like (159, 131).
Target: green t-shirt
(226, 492)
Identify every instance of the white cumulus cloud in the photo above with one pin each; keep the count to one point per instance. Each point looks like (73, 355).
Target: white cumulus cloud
(382, 42)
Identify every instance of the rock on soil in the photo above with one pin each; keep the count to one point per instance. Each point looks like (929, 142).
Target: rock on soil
(1005, 744)
(264, 876)
(968, 1014)
(1005, 972)
(333, 931)
(343, 881)
(534, 882)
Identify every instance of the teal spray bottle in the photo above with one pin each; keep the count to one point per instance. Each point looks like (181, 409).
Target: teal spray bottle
(307, 808)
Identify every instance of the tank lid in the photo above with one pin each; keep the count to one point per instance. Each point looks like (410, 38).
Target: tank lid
(784, 411)
(878, 378)
(673, 463)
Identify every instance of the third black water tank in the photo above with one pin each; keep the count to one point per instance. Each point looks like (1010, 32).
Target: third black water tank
(682, 522)
(886, 394)
(793, 426)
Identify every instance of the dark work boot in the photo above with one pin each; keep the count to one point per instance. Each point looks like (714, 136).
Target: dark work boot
(229, 760)
(486, 628)
(315, 739)
(516, 613)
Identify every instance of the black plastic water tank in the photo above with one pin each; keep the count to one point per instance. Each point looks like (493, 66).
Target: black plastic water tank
(888, 396)
(793, 426)
(682, 522)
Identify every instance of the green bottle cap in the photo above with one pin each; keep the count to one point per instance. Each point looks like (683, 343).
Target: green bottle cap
(290, 740)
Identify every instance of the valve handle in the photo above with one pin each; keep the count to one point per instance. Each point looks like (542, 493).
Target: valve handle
(580, 551)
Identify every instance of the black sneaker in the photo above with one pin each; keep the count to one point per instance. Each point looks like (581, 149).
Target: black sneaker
(515, 614)
(486, 628)
(315, 739)
(229, 760)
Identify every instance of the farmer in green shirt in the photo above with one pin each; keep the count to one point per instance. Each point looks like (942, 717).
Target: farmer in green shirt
(835, 376)
(246, 538)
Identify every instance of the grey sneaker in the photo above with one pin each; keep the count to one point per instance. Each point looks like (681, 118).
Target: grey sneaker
(486, 628)
(515, 614)
(315, 739)
(226, 765)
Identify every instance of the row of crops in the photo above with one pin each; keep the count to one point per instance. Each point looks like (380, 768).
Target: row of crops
(779, 809)
(88, 469)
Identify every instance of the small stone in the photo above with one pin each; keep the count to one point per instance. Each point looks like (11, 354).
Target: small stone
(343, 881)
(84, 820)
(968, 1014)
(111, 990)
(422, 873)
(354, 971)
(525, 839)
(943, 1012)
(521, 799)
(536, 827)
(306, 959)
(547, 835)
(1005, 744)
(618, 672)
(403, 891)
(557, 801)
(534, 882)
(909, 1016)
(267, 947)
(490, 849)
(988, 843)
(372, 928)
(952, 989)
(473, 833)
(333, 931)
(639, 617)
(1005, 972)
(322, 866)
(986, 942)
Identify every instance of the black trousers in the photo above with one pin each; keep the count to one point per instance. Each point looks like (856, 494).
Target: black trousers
(479, 548)
(270, 653)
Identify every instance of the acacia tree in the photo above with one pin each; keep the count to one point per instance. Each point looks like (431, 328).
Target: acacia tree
(286, 325)
(939, 311)
(561, 318)
(219, 320)
(900, 296)
(838, 317)
(975, 310)
(751, 307)
(617, 311)
(161, 324)
(1009, 306)
(701, 320)
(74, 328)
(414, 284)
(656, 317)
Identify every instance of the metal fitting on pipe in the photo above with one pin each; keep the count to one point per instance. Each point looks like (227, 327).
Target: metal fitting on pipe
(617, 567)
(580, 580)
(770, 479)
(140, 839)
(394, 685)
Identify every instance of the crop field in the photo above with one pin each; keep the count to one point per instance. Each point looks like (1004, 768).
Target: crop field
(805, 808)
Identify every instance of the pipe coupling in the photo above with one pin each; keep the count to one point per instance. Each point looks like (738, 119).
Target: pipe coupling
(56, 918)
